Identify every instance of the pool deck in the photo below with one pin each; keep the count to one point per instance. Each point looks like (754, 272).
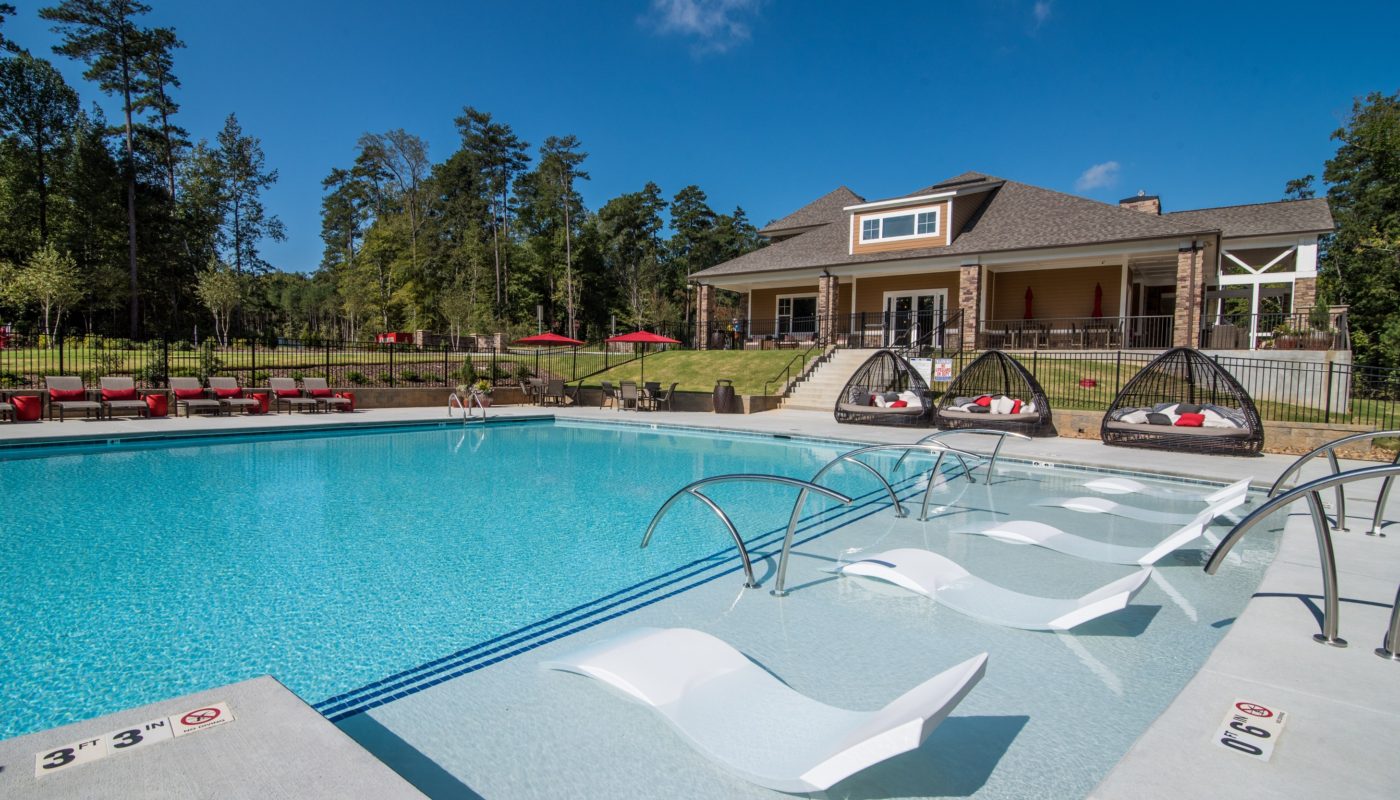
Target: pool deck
(1343, 713)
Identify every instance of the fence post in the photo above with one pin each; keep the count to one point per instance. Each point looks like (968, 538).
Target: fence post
(492, 379)
(165, 359)
(1118, 374)
(328, 363)
(1035, 363)
(446, 381)
(59, 336)
(253, 360)
(573, 371)
(1327, 413)
(390, 346)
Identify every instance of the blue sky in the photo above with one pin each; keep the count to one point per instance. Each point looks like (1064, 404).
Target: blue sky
(767, 104)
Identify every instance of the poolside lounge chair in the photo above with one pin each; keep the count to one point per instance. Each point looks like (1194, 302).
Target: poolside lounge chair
(1099, 505)
(192, 396)
(230, 395)
(6, 409)
(67, 393)
(945, 582)
(317, 389)
(628, 396)
(1051, 538)
(121, 394)
(788, 741)
(286, 393)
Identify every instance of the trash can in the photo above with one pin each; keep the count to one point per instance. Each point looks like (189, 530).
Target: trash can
(725, 402)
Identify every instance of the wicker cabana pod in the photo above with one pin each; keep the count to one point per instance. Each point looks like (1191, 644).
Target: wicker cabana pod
(1185, 381)
(996, 374)
(884, 375)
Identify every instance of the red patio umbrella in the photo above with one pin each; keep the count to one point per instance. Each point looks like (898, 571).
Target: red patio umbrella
(643, 338)
(1098, 300)
(1029, 297)
(546, 339)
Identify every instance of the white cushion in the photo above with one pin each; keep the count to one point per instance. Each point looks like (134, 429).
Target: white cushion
(1002, 405)
(1138, 417)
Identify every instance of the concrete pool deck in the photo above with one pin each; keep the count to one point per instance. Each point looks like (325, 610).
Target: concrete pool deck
(1342, 709)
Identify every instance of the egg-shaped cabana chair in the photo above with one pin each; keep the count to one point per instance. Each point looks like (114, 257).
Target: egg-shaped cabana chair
(995, 374)
(1148, 411)
(885, 390)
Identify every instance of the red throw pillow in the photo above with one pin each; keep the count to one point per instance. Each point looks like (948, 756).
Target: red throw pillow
(1191, 420)
(228, 394)
(898, 404)
(189, 394)
(67, 395)
(322, 393)
(872, 400)
(289, 393)
(121, 394)
(1015, 406)
(984, 401)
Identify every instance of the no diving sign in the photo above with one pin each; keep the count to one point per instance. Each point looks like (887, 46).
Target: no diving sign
(132, 737)
(1251, 728)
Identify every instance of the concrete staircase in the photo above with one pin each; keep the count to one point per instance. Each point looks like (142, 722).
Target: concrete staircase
(823, 386)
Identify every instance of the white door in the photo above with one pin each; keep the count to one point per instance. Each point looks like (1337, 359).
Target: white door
(910, 315)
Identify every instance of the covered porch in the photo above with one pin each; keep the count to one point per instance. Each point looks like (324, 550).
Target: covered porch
(1104, 306)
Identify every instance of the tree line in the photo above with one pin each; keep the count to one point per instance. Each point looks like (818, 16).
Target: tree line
(129, 227)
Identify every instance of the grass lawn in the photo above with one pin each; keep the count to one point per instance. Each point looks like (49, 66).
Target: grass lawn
(697, 370)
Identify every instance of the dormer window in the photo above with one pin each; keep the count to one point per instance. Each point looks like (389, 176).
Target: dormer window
(902, 224)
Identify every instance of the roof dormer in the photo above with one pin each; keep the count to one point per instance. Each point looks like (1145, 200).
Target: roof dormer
(926, 219)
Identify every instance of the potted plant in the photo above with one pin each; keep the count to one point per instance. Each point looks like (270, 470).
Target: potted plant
(482, 391)
(1285, 338)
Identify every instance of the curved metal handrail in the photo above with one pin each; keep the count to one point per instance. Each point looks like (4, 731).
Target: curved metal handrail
(1312, 490)
(779, 589)
(693, 489)
(1330, 449)
(454, 399)
(992, 464)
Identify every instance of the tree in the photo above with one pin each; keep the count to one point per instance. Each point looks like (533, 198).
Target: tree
(457, 307)
(6, 46)
(560, 159)
(498, 155)
(629, 227)
(38, 109)
(51, 281)
(1360, 263)
(220, 289)
(103, 35)
(240, 175)
(155, 78)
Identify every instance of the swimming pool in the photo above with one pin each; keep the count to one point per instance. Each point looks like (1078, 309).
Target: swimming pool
(391, 577)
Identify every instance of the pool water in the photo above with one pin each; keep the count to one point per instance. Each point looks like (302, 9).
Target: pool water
(408, 582)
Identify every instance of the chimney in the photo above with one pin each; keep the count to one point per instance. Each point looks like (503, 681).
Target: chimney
(1146, 203)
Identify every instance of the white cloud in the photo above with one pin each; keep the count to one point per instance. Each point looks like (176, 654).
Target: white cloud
(1041, 10)
(1098, 176)
(716, 25)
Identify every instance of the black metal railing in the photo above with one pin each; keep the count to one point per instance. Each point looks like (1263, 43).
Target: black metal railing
(1076, 333)
(931, 330)
(1300, 330)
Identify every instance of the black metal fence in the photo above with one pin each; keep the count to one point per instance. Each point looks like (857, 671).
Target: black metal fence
(24, 363)
(1319, 391)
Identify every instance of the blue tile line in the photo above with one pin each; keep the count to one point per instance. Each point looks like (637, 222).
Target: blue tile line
(713, 559)
(413, 685)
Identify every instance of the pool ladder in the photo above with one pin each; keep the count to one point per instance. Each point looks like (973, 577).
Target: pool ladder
(473, 398)
(1330, 450)
(1322, 529)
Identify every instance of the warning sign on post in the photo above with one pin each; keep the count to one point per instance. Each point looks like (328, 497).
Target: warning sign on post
(1251, 728)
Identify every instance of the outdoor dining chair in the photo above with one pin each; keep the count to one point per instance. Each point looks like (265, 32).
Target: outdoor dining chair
(553, 392)
(609, 395)
(658, 397)
(628, 396)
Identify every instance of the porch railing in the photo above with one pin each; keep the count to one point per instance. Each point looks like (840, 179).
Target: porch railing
(926, 330)
(1300, 330)
(1076, 333)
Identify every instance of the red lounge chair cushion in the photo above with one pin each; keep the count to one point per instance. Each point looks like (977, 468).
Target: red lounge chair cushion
(1190, 420)
(289, 393)
(227, 394)
(67, 395)
(1016, 407)
(121, 394)
(983, 401)
(898, 404)
(322, 393)
(189, 394)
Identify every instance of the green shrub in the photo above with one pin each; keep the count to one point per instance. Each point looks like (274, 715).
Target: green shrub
(296, 376)
(258, 378)
(10, 380)
(523, 371)
(411, 376)
(385, 377)
(467, 374)
(355, 378)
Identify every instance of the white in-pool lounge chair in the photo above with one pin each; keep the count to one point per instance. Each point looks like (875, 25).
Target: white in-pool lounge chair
(1101, 505)
(1117, 485)
(741, 717)
(944, 581)
(1022, 531)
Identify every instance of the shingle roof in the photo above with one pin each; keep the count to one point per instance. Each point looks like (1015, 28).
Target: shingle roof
(824, 209)
(1262, 219)
(1014, 216)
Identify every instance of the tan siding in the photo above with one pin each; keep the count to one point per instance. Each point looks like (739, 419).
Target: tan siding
(870, 293)
(765, 303)
(908, 244)
(963, 209)
(1057, 292)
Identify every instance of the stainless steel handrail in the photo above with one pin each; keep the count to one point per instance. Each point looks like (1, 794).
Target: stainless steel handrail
(1390, 645)
(693, 489)
(451, 399)
(779, 589)
(1330, 449)
(992, 464)
(1321, 528)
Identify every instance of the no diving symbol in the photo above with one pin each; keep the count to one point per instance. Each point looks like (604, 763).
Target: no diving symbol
(202, 715)
(1254, 710)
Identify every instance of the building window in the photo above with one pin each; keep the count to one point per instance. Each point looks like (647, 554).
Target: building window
(902, 224)
(797, 314)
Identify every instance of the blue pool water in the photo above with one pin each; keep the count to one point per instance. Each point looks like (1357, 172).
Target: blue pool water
(132, 574)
